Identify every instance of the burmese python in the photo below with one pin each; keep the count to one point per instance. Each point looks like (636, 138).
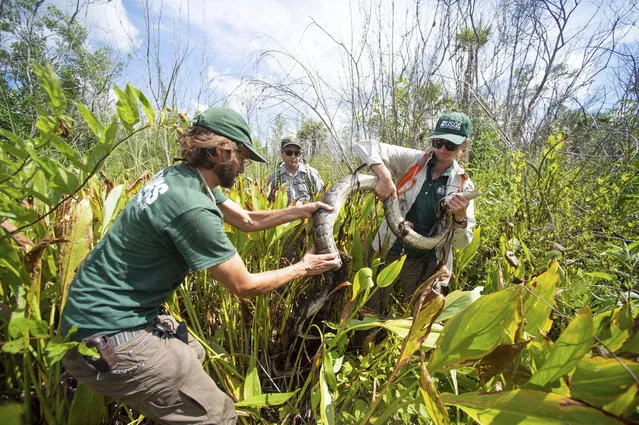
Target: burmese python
(339, 193)
(313, 298)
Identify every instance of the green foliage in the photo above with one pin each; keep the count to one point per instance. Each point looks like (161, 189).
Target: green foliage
(47, 218)
(526, 349)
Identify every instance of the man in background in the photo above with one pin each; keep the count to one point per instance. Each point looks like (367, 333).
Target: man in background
(302, 181)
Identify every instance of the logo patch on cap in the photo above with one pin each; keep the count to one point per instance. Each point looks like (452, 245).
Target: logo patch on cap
(453, 125)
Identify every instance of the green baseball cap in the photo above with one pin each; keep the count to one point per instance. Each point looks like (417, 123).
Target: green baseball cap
(452, 126)
(290, 140)
(228, 123)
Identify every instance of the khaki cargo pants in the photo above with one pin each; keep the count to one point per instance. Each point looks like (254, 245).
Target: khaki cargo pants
(161, 378)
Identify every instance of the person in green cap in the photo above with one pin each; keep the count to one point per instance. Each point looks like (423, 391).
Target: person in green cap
(303, 182)
(172, 225)
(422, 181)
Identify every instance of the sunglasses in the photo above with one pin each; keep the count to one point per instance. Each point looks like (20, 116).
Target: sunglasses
(289, 152)
(450, 146)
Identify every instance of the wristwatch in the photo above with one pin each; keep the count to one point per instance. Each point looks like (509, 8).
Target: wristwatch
(461, 224)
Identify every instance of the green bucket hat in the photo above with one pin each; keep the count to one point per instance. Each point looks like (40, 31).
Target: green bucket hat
(228, 123)
(453, 126)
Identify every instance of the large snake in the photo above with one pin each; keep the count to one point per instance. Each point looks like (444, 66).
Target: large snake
(311, 300)
(339, 193)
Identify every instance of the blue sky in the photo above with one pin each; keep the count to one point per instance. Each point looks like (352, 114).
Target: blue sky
(219, 42)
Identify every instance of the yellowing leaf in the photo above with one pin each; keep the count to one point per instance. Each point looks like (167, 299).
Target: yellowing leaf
(606, 383)
(527, 407)
(80, 239)
(538, 304)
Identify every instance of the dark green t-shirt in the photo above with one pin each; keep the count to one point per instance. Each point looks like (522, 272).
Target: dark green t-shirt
(423, 213)
(169, 227)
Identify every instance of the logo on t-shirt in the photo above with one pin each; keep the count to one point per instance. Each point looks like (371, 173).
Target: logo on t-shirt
(152, 191)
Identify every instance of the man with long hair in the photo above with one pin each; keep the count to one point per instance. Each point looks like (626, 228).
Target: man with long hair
(173, 225)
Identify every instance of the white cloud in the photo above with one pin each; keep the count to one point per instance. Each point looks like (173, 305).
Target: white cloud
(107, 23)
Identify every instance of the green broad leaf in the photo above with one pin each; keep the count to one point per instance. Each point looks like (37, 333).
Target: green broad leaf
(146, 105)
(12, 272)
(56, 99)
(632, 345)
(400, 327)
(38, 328)
(64, 181)
(490, 321)
(626, 404)
(606, 383)
(14, 347)
(110, 206)
(329, 370)
(17, 140)
(369, 322)
(47, 165)
(46, 125)
(16, 212)
(615, 329)
(527, 407)
(538, 303)
(365, 210)
(315, 396)
(363, 280)
(66, 150)
(88, 407)
(458, 301)
(127, 107)
(252, 386)
(467, 254)
(18, 325)
(57, 349)
(388, 275)
(327, 408)
(80, 241)
(601, 275)
(94, 124)
(111, 133)
(12, 413)
(573, 344)
(87, 351)
(263, 400)
(99, 152)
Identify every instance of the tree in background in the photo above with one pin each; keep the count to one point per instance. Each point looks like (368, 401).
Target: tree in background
(313, 134)
(32, 32)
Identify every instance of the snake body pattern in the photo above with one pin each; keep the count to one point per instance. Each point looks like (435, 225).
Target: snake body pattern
(311, 300)
(339, 193)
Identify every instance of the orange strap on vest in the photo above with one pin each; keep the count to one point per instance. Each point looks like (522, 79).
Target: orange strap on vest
(411, 175)
(409, 179)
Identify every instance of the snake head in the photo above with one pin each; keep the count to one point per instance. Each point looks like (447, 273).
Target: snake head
(403, 228)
